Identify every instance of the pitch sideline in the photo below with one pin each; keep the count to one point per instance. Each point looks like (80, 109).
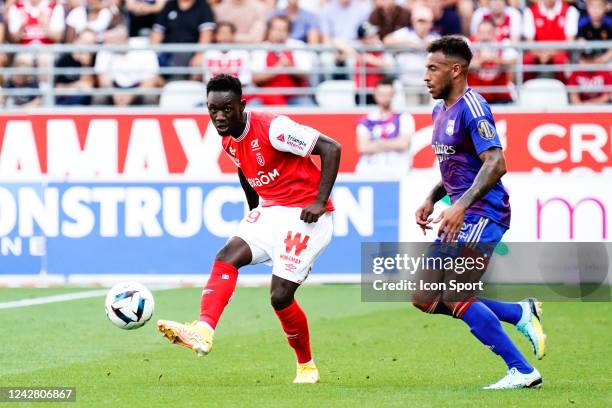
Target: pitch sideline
(63, 298)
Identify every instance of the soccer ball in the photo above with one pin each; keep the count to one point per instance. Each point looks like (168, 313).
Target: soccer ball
(129, 305)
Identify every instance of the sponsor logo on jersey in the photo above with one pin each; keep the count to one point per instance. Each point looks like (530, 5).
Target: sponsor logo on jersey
(450, 127)
(295, 241)
(290, 267)
(263, 178)
(281, 137)
(255, 145)
(295, 142)
(290, 258)
(260, 159)
(443, 151)
(486, 130)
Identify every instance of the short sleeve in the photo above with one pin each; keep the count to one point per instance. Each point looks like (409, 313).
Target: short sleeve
(326, 21)
(291, 137)
(483, 132)
(58, 18)
(207, 18)
(161, 23)
(571, 23)
(14, 19)
(528, 25)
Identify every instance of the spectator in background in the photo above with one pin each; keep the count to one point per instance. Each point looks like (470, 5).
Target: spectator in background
(446, 19)
(3, 57)
(232, 62)
(412, 64)
(36, 22)
(505, 19)
(549, 20)
(389, 17)
(98, 16)
(183, 21)
(452, 16)
(340, 20)
(20, 81)
(371, 60)
(82, 82)
(249, 17)
(142, 15)
(133, 70)
(383, 137)
(591, 83)
(305, 25)
(489, 66)
(278, 31)
(596, 26)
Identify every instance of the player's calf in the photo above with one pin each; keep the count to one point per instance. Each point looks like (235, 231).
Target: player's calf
(429, 302)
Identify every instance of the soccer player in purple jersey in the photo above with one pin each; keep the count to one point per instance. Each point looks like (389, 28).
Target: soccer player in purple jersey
(472, 163)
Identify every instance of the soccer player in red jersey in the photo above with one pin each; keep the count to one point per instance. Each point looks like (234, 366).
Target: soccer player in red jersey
(289, 229)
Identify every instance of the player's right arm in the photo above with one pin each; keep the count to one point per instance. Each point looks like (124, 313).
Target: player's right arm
(423, 213)
(250, 193)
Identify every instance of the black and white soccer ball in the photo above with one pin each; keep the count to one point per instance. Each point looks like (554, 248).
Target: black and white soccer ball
(129, 305)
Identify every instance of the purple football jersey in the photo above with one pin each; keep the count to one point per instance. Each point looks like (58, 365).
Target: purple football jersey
(460, 134)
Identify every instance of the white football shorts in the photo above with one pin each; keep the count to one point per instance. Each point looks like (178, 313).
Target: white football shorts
(277, 236)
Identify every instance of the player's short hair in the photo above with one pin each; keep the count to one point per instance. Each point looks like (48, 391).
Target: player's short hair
(451, 46)
(224, 83)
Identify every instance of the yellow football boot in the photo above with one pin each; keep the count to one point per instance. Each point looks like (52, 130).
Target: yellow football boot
(197, 337)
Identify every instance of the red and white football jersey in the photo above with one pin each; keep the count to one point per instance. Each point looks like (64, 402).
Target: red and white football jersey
(35, 20)
(273, 153)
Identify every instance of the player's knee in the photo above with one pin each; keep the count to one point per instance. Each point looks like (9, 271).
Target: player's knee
(421, 301)
(236, 252)
(281, 298)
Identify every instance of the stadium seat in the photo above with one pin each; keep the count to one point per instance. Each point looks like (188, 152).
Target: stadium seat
(183, 94)
(338, 94)
(543, 92)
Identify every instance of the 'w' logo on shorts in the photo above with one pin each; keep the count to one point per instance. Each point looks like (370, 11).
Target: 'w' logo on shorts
(294, 240)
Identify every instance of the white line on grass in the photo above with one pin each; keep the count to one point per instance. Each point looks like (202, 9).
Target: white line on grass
(61, 298)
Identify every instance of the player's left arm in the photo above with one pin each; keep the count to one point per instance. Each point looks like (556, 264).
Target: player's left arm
(329, 150)
(493, 168)
(291, 137)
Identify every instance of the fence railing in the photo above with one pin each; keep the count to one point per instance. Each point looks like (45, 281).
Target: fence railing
(323, 68)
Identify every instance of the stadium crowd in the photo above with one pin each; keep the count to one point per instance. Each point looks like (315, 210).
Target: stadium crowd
(401, 29)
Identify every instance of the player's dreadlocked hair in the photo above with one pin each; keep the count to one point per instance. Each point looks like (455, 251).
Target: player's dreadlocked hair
(452, 46)
(224, 83)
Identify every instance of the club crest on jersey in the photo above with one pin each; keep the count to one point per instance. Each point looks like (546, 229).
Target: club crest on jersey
(281, 137)
(255, 145)
(260, 159)
(232, 151)
(485, 130)
(450, 127)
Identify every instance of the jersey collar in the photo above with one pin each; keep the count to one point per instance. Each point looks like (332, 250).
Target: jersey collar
(246, 128)
(444, 108)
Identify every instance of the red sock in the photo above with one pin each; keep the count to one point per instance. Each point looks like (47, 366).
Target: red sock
(217, 292)
(295, 325)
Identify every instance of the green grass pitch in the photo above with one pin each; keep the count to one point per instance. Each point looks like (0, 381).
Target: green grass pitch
(369, 355)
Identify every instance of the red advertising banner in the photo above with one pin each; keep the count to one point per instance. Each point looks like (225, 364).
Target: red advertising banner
(156, 145)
